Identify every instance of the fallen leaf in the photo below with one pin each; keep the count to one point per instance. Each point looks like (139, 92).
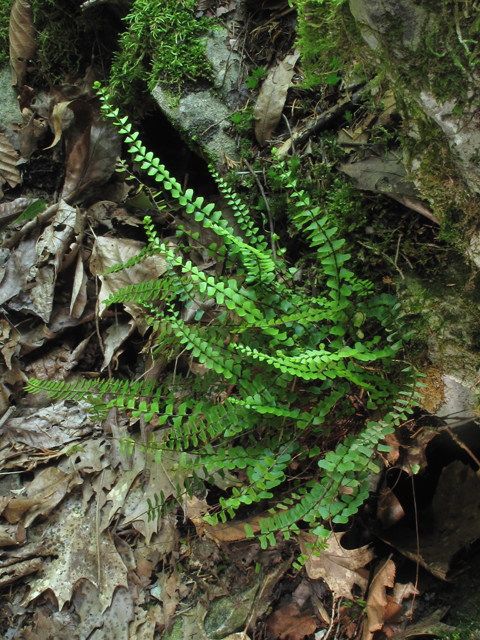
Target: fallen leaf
(69, 535)
(41, 495)
(116, 335)
(13, 572)
(79, 293)
(60, 626)
(389, 509)
(339, 567)
(91, 161)
(272, 96)
(113, 621)
(22, 40)
(106, 253)
(286, 623)
(9, 172)
(430, 626)
(58, 362)
(377, 598)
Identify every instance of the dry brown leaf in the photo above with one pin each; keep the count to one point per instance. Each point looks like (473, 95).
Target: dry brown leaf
(113, 622)
(272, 96)
(9, 157)
(287, 623)
(22, 37)
(57, 363)
(389, 509)
(339, 567)
(116, 335)
(70, 536)
(431, 626)
(59, 625)
(41, 495)
(228, 531)
(79, 293)
(108, 252)
(91, 161)
(13, 572)
(8, 535)
(377, 598)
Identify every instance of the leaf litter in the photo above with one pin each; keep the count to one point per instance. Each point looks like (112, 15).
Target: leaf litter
(76, 534)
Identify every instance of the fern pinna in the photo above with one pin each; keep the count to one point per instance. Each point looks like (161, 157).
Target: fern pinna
(280, 367)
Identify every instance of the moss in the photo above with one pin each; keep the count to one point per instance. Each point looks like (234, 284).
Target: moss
(68, 38)
(5, 7)
(329, 39)
(163, 43)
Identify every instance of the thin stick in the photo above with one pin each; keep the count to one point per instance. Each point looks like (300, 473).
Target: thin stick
(291, 134)
(97, 530)
(7, 415)
(463, 445)
(270, 220)
(42, 217)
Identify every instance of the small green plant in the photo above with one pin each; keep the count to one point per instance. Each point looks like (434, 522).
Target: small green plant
(281, 366)
(256, 76)
(5, 7)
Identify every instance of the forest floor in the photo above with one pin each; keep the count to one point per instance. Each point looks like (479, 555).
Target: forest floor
(80, 555)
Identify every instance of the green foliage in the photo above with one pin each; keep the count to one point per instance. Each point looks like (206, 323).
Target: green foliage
(329, 39)
(67, 37)
(281, 365)
(163, 42)
(256, 76)
(5, 7)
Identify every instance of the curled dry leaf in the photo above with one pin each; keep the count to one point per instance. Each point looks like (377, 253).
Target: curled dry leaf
(272, 96)
(287, 623)
(377, 598)
(339, 567)
(22, 39)
(9, 173)
(41, 496)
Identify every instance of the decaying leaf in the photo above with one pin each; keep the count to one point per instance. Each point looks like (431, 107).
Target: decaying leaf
(91, 161)
(272, 96)
(22, 39)
(60, 626)
(377, 598)
(9, 172)
(389, 509)
(70, 536)
(116, 335)
(339, 567)
(430, 626)
(79, 293)
(108, 252)
(58, 362)
(287, 623)
(42, 495)
(113, 622)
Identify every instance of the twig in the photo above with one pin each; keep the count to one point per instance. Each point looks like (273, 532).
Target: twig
(270, 220)
(42, 217)
(7, 415)
(97, 529)
(291, 134)
(461, 444)
(332, 620)
(254, 609)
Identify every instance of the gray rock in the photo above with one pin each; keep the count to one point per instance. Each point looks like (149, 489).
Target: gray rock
(462, 132)
(228, 615)
(204, 115)
(445, 317)
(9, 109)
(458, 402)
(377, 17)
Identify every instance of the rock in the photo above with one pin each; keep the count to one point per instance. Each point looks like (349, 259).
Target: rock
(458, 400)
(445, 318)
(204, 114)
(462, 133)
(228, 615)
(9, 110)
(379, 16)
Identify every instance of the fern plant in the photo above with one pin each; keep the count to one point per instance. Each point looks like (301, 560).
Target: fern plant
(282, 367)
